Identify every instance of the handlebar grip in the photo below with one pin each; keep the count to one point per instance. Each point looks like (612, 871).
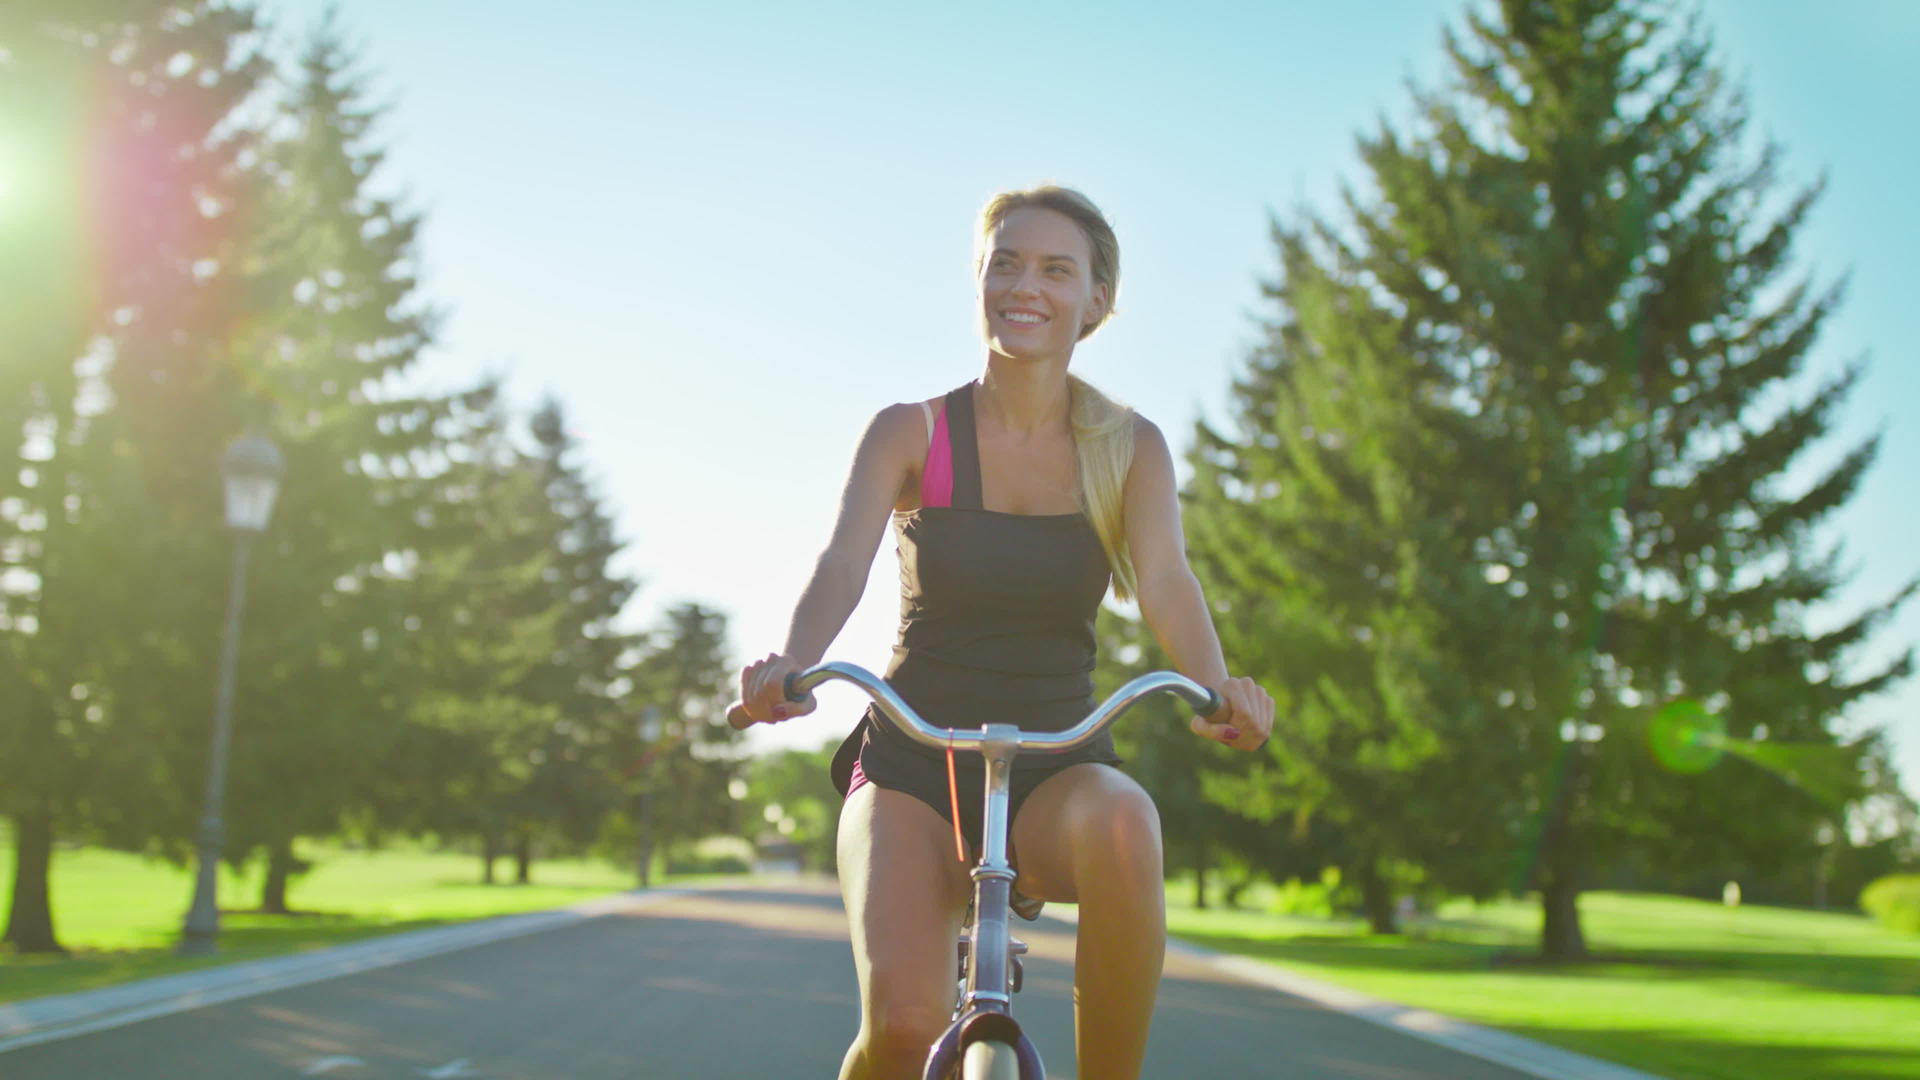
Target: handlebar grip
(1214, 704)
(737, 712)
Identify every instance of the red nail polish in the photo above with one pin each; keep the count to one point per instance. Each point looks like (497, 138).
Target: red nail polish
(780, 712)
(1232, 733)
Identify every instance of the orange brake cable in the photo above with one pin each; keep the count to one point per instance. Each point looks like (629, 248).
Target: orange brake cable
(953, 800)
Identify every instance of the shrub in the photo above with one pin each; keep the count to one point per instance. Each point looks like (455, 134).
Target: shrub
(711, 855)
(1895, 901)
(1311, 899)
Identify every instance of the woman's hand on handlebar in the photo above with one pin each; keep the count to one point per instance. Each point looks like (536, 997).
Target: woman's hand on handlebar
(1245, 719)
(763, 692)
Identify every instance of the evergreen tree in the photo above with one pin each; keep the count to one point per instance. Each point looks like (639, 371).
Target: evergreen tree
(117, 397)
(485, 625)
(337, 325)
(1340, 579)
(685, 681)
(524, 724)
(575, 781)
(1601, 338)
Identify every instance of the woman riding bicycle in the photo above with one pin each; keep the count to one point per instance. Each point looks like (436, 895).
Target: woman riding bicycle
(1015, 500)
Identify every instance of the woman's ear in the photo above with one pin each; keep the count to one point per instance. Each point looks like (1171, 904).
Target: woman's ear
(1098, 309)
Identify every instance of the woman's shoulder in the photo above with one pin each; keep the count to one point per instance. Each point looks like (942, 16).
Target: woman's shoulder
(906, 416)
(1149, 455)
(901, 428)
(911, 415)
(1147, 434)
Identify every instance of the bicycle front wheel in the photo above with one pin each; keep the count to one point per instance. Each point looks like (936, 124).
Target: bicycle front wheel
(990, 1060)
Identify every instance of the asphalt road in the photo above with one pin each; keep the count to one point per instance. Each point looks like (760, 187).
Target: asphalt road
(709, 986)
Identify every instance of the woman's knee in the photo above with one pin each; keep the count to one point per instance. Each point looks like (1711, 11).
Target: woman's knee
(1117, 833)
(903, 1032)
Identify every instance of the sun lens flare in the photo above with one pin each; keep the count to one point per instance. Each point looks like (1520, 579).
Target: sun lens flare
(1686, 738)
(1828, 773)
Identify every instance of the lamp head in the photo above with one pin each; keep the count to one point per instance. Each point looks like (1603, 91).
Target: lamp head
(252, 468)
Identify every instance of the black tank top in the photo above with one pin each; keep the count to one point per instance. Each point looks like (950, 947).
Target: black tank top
(996, 618)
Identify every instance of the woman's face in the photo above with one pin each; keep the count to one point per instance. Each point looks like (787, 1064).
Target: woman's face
(1036, 285)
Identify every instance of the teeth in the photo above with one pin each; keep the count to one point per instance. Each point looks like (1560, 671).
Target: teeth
(1021, 317)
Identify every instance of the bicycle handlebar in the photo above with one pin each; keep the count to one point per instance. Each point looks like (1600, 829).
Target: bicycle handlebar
(801, 683)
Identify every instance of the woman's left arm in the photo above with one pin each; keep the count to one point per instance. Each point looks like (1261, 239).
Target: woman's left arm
(1171, 602)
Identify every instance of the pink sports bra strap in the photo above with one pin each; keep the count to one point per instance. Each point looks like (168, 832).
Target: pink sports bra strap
(936, 478)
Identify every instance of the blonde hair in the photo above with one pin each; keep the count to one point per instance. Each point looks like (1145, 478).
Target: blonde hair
(1102, 427)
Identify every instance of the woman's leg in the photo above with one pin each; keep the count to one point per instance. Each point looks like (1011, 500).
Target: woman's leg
(1090, 835)
(906, 896)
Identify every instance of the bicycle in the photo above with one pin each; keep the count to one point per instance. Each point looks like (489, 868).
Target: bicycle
(983, 1041)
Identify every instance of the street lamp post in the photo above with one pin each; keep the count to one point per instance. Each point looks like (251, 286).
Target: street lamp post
(252, 468)
(649, 729)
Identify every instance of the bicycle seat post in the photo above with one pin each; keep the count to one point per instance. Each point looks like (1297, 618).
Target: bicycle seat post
(993, 877)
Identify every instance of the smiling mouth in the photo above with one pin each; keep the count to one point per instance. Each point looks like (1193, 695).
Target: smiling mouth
(1022, 318)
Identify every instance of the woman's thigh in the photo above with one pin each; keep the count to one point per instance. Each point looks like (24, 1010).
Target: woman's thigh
(905, 894)
(1089, 818)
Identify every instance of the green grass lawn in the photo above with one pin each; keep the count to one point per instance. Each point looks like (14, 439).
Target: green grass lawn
(1680, 988)
(121, 913)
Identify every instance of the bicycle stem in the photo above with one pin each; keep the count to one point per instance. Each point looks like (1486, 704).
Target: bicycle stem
(987, 957)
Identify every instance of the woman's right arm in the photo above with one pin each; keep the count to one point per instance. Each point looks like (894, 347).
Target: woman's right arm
(889, 454)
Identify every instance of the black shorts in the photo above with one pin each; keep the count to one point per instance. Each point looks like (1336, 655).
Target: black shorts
(860, 760)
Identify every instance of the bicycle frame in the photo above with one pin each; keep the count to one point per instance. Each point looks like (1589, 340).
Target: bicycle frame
(986, 1006)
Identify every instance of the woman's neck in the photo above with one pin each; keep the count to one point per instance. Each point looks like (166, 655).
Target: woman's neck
(1024, 398)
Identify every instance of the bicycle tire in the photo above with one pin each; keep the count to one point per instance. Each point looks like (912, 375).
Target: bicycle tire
(990, 1059)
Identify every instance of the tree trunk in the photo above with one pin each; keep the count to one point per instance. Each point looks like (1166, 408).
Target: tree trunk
(1823, 873)
(273, 895)
(1376, 899)
(1200, 875)
(489, 851)
(643, 842)
(30, 916)
(1560, 934)
(1559, 874)
(523, 857)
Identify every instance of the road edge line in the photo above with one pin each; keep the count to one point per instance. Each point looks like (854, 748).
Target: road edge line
(47, 1019)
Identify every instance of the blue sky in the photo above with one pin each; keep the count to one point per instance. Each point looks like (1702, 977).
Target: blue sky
(723, 235)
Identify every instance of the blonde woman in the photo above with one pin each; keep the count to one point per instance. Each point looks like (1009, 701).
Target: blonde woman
(1015, 500)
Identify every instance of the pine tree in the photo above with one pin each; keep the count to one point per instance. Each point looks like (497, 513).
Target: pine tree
(485, 625)
(1340, 572)
(337, 325)
(685, 680)
(116, 399)
(574, 782)
(1591, 273)
(522, 727)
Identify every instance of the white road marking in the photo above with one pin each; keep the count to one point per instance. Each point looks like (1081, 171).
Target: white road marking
(322, 1066)
(64, 1016)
